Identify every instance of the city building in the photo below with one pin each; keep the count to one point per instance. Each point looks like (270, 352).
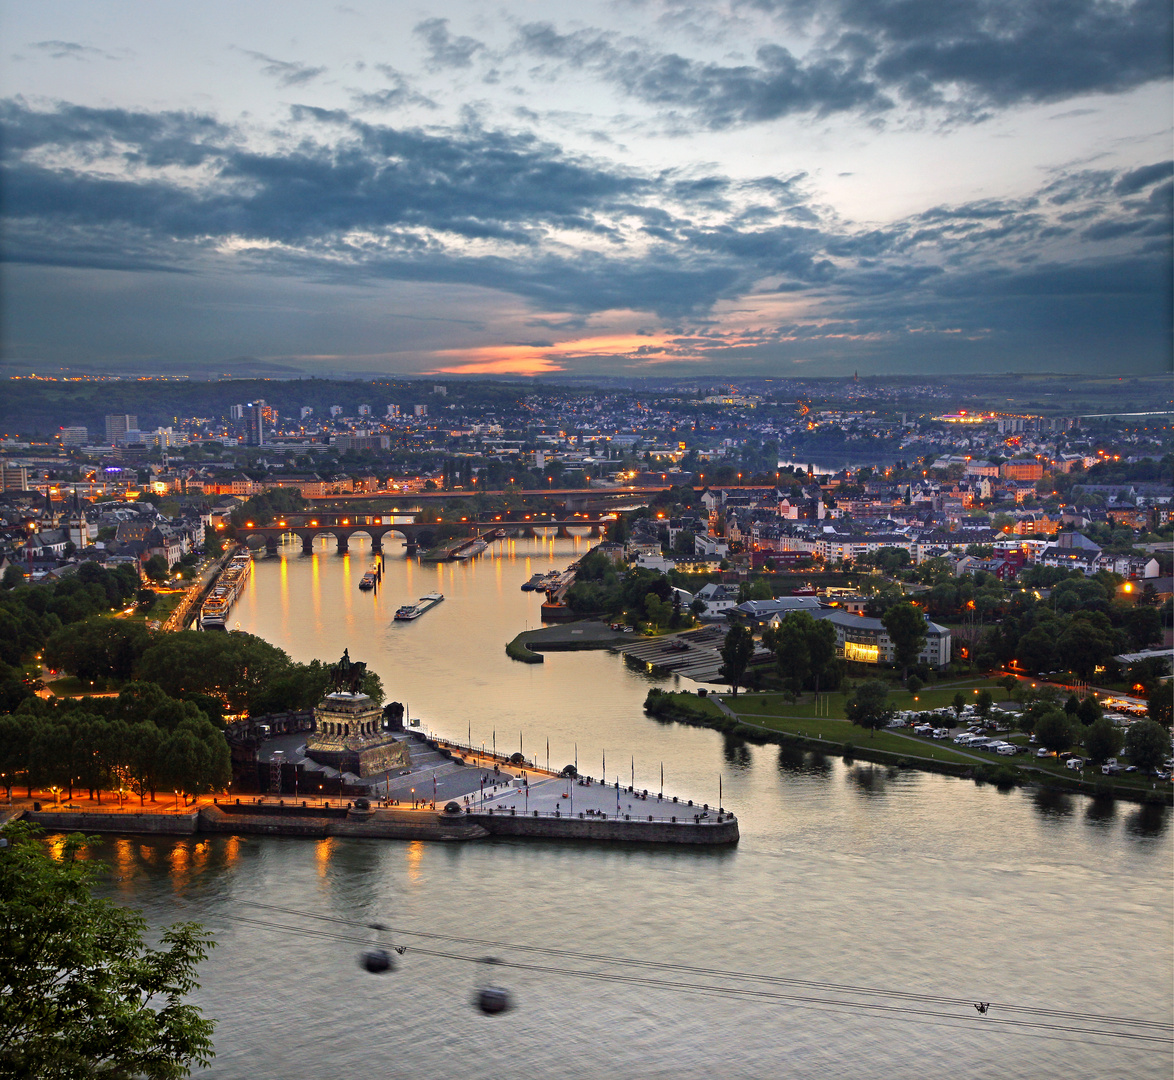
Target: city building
(255, 419)
(73, 437)
(866, 641)
(117, 425)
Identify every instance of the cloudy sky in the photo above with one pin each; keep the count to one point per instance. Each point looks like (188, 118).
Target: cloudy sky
(634, 187)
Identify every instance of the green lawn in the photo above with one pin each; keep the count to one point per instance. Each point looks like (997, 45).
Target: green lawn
(832, 705)
(840, 731)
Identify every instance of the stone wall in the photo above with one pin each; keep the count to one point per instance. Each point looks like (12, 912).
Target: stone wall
(183, 824)
(610, 829)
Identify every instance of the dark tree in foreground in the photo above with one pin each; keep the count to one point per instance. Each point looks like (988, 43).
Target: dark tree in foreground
(869, 706)
(1147, 744)
(80, 994)
(736, 652)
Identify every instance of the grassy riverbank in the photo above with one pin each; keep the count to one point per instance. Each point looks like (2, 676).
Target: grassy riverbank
(753, 717)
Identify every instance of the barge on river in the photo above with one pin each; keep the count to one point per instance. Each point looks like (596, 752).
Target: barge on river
(231, 583)
(413, 611)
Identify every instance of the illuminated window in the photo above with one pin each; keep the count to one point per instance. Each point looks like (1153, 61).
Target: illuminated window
(865, 654)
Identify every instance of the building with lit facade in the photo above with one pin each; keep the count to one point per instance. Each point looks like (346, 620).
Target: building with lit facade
(866, 641)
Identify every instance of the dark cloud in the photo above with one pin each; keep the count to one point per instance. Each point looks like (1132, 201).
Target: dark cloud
(399, 94)
(445, 50)
(1138, 179)
(70, 50)
(332, 199)
(716, 95)
(286, 72)
(964, 57)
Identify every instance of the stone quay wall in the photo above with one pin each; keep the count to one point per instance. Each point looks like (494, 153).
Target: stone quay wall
(386, 824)
(548, 827)
(160, 824)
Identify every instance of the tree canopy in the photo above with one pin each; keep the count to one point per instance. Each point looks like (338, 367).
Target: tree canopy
(736, 652)
(869, 707)
(80, 992)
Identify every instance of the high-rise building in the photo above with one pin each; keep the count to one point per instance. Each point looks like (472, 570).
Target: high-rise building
(255, 418)
(13, 477)
(74, 436)
(236, 412)
(392, 412)
(335, 410)
(364, 410)
(307, 412)
(117, 425)
(420, 410)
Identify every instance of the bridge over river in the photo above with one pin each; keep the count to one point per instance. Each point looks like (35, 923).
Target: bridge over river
(416, 534)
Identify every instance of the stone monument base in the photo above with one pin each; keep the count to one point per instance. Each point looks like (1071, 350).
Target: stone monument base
(349, 737)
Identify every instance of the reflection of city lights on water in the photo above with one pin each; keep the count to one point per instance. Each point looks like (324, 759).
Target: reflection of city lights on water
(322, 852)
(415, 854)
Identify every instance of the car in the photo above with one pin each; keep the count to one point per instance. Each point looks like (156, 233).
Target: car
(1131, 768)
(1111, 769)
(1043, 752)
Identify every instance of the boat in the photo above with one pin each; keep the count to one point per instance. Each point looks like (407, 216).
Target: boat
(231, 583)
(533, 583)
(368, 581)
(475, 548)
(414, 611)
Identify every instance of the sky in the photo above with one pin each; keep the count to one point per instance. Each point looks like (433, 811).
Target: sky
(666, 188)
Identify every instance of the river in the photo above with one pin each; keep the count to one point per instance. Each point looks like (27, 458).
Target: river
(909, 884)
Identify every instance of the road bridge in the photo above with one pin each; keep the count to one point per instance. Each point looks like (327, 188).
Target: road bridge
(572, 498)
(416, 534)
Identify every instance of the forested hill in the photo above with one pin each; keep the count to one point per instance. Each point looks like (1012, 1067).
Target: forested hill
(39, 407)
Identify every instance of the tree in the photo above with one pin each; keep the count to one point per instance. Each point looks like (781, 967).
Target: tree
(736, 652)
(1053, 731)
(913, 684)
(156, 568)
(80, 993)
(1102, 740)
(958, 704)
(1009, 683)
(983, 703)
(1088, 711)
(791, 652)
(869, 706)
(1147, 744)
(905, 625)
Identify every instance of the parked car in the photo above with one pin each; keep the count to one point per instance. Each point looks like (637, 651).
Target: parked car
(1043, 752)
(1111, 769)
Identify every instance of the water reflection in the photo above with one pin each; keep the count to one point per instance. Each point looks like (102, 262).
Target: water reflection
(735, 752)
(1052, 803)
(1147, 820)
(1101, 810)
(795, 761)
(868, 778)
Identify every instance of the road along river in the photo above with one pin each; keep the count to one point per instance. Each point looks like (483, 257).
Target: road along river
(929, 890)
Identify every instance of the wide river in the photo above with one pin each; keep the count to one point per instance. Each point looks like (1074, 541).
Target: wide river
(930, 891)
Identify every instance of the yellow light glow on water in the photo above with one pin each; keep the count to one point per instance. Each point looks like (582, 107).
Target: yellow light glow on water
(864, 654)
(415, 857)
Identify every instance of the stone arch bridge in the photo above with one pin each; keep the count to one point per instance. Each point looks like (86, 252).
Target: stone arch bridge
(416, 534)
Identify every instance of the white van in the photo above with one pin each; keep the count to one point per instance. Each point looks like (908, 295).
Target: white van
(1075, 763)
